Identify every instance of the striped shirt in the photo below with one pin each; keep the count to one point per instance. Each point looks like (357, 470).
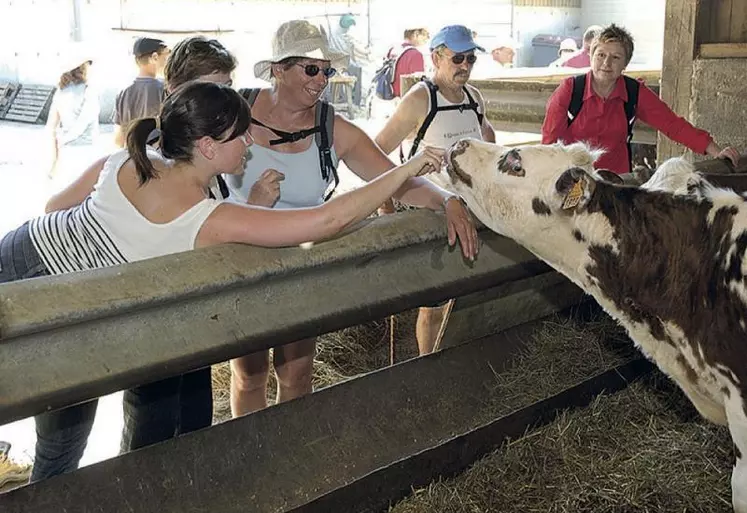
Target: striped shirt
(106, 229)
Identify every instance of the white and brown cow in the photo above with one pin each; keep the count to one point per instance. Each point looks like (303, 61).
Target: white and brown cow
(670, 268)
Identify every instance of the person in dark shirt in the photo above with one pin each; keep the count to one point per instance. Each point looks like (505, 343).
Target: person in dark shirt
(142, 98)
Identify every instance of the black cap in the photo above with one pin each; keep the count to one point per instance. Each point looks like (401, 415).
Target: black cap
(146, 46)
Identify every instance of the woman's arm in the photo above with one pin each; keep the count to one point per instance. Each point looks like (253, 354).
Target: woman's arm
(274, 228)
(76, 192)
(555, 125)
(653, 111)
(53, 122)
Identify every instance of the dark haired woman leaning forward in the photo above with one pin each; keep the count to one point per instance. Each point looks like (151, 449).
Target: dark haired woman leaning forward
(148, 203)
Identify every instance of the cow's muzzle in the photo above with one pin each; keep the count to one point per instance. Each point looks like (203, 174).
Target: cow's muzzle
(455, 171)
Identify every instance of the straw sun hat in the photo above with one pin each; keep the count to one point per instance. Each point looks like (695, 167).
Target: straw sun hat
(298, 38)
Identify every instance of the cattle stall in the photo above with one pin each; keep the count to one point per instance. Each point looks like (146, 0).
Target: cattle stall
(325, 448)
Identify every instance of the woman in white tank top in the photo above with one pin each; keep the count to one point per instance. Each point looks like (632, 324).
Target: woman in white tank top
(145, 203)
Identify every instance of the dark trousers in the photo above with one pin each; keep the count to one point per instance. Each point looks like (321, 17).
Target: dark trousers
(153, 413)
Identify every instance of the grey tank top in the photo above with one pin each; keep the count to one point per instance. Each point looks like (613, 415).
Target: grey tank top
(303, 185)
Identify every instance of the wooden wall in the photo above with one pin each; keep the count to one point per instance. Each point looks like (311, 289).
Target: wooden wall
(697, 31)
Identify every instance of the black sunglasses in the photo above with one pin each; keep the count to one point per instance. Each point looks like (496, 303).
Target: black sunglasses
(459, 58)
(313, 70)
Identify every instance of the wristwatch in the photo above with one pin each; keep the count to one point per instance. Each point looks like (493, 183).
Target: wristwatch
(449, 198)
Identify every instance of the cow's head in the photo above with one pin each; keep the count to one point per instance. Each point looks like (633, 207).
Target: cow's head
(519, 190)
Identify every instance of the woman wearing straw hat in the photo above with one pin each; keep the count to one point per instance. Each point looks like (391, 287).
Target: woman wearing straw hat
(73, 118)
(284, 172)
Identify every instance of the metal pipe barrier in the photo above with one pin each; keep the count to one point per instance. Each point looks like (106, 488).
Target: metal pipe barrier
(69, 338)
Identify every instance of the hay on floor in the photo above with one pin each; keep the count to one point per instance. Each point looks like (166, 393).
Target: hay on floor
(340, 355)
(643, 449)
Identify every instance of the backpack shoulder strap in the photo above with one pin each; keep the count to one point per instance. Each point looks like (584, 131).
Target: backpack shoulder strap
(250, 94)
(577, 97)
(473, 105)
(221, 191)
(324, 118)
(432, 111)
(632, 86)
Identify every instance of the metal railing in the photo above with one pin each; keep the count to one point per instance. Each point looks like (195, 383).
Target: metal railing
(69, 338)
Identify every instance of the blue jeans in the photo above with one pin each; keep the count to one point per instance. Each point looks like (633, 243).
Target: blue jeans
(153, 413)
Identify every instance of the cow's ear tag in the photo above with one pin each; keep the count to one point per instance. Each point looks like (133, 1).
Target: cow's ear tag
(573, 198)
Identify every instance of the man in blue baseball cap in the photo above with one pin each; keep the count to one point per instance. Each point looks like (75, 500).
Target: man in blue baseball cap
(456, 38)
(459, 113)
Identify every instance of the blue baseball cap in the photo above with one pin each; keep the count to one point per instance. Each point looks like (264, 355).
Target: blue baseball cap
(456, 38)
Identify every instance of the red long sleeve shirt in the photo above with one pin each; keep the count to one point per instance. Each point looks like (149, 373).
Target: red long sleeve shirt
(602, 124)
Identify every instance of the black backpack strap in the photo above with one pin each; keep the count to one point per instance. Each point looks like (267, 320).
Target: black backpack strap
(432, 89)
(577, 97)
(325, 136)
(219, 192)
(632, 87)
(250, 94)
(473, 105)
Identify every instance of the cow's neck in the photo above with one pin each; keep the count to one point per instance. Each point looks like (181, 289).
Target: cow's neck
(667, 259)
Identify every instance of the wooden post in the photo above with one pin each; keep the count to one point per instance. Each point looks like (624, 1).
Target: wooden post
(677, 66)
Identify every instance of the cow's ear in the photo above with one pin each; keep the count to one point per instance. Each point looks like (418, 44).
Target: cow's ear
(575, 188)
(609, 176)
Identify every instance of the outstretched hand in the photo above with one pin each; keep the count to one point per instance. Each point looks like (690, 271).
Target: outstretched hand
(730, 154)
(460, 225)
(427, 160)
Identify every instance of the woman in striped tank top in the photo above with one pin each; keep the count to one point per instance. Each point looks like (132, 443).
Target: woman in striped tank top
(147, 203)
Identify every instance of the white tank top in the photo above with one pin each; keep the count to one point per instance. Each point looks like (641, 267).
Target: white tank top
(106, 229)
(303, 185)
(449, 126)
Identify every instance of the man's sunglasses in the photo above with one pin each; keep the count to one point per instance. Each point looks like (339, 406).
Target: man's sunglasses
(459, 58)
(313, 70)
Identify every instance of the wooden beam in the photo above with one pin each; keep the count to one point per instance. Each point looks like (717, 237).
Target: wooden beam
(677, 66)
(722, 51)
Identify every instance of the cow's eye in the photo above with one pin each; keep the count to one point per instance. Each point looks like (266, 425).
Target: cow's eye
(510, 163)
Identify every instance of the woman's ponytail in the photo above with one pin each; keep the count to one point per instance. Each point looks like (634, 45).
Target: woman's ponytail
(137, 138)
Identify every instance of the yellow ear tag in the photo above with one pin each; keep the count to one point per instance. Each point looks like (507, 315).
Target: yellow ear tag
(573, 197)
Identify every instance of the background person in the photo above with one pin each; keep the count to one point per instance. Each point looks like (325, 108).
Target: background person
(566, 50)
(142, 98)
(73, 120)
(409, 58)
(342, 41)
(583, 58)
(602, 121)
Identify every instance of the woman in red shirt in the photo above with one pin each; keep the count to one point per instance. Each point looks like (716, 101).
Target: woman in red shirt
(602, 121)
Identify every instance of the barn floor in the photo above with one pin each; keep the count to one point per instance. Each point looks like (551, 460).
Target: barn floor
(644, 449)
(641, 450)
